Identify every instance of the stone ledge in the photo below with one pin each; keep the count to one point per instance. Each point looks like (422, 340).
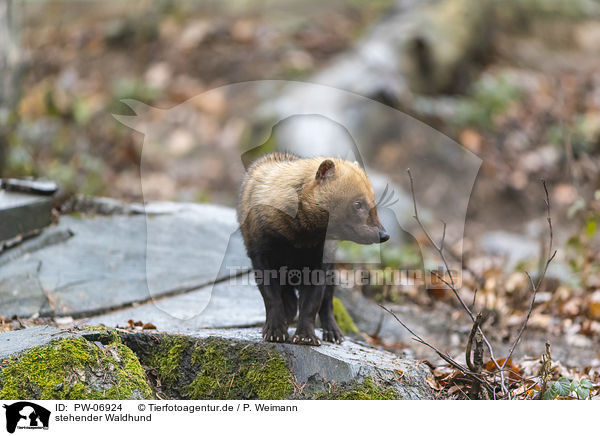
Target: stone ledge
(205, 364)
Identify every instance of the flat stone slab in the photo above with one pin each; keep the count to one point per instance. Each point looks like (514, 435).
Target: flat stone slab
(17, 341)
(103, 263)
(224, 305)
(22, 214)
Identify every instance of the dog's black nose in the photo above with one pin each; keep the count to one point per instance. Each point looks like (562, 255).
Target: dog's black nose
(383, 236)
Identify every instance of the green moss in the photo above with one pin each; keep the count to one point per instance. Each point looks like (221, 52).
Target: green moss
(218, 369)
(74, 369)
(168, 358)
(101, 333)
(342, 317)
(232, 371)
(367, 390)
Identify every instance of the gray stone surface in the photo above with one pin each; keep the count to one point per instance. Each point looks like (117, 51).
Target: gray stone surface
(19, 341)
(22, 214)
(343, 363)
(113, 261)
(224, 305)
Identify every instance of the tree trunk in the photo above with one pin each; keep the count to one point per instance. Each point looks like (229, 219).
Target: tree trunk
(9, 76)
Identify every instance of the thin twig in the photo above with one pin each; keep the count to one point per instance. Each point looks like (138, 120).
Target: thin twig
(443, 237)
(474, 299)
(535, 286)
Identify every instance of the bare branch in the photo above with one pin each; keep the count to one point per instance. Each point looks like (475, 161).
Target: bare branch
(443, 356)
(524, 324)
(443, 237)
(470, 342)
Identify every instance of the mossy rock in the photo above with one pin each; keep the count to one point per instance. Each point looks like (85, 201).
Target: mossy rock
(215, 368)
(101, 363)
(74, 368)
(237, 364)
(343, 318)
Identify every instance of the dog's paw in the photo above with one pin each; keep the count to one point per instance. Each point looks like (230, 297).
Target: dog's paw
(306, 338)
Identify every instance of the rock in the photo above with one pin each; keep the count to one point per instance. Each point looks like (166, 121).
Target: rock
(90, 265)
(238, 364)
(515, 247)
(417, 45)
(44, 363)
(18, 341)
(96, 363)
(22, 215)
(41, 187)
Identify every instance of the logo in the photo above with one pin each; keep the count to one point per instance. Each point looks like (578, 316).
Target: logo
(26, 415)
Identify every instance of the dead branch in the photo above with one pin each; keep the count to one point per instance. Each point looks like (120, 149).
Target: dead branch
(475, 392)
(470, 343)
(545, 370)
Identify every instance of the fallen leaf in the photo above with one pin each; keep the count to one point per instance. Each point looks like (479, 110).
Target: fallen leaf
(433, 384)
(594, 305)
(514, 372)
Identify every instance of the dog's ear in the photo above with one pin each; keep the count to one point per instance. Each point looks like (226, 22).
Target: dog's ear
(326, 170)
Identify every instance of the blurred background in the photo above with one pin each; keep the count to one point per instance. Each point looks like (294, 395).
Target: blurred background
(517, 83)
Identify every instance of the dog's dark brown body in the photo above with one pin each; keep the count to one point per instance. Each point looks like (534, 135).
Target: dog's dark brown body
(290, 211)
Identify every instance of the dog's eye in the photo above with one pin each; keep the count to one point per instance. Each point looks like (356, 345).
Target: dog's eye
(357, 205)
